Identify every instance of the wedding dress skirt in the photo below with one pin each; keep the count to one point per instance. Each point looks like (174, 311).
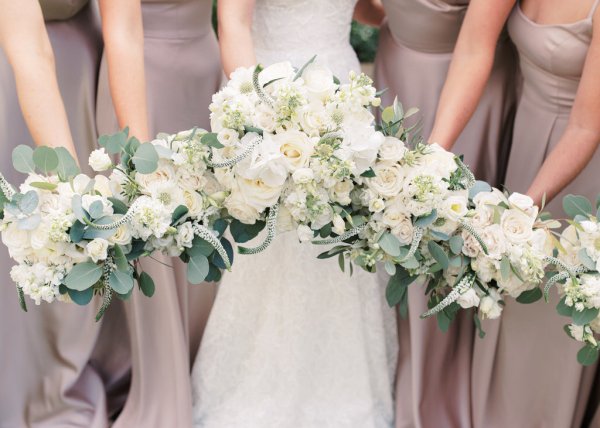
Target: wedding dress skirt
(292, 341)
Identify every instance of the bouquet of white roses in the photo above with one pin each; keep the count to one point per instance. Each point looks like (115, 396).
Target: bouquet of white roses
(292, 143)
(577, 274)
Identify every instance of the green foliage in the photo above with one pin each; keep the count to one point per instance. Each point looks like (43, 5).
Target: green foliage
(575, 205)
(67, 167)
(530, 296)
(82, 297)
(146, 284)
(45, 159)
(197, 268)
(83, 276)
(121, 282)
(390, 244)
(145, 159)
(587, 355)
(396, 292)
(364, 40)
(242, 232)
(22, 158)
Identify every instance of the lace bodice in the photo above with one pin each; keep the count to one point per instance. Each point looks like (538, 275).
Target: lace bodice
(295, 30)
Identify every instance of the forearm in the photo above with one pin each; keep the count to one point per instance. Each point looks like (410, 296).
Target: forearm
(237, 49)
(126, 75)
(565, 162)
(465, 83)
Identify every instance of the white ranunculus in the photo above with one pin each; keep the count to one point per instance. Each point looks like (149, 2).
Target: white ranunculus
(239, 209)
(392, 149)
(97, 249)
(99, 160)
(517, 226)
(468, 299)
(280, 70)
(303, 175)
(318, 80)
(388, 180)
(305, 233)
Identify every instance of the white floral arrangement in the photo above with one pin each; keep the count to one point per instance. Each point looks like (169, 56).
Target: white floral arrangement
(577, 274)
(293, 142)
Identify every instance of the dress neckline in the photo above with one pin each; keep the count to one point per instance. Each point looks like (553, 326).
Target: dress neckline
(568, 24)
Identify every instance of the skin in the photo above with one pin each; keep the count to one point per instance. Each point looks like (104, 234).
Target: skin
(25, 42)
(124, 48)
(235, 29)
(472, 64)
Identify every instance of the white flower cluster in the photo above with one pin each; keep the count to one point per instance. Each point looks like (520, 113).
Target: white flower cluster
(181, 179)
(317, 137)
(38, 238)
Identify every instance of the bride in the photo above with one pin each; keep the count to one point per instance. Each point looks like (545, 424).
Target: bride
(291, 340)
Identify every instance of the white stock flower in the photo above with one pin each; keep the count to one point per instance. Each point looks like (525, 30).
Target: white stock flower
(97, 249)
(303, 175)
(185, 235)
(340, 192)
(99, 160)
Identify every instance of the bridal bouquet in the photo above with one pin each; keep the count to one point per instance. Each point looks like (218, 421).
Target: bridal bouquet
(577, 275)
(73, 236)
(291, 145)
(421, 214)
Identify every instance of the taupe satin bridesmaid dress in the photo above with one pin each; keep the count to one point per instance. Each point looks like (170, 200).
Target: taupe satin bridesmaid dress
(48, 374)
(525, 372)
(183, 70)
(415, 49)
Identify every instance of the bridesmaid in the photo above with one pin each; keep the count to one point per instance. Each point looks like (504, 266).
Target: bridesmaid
(159, 71)
(47, 376)
(556, 134)
(415, 50)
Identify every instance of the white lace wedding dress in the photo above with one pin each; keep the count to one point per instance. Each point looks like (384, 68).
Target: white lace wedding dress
(291, 340)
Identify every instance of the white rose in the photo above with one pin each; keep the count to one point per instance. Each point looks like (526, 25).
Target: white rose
(376, 205)
(122, 236)
(471, 247)
(97, 249)
(517, 226)
(468, 299)
(239, 209)
(524, 203)
(99, 160)
(17, 241)
(513, 285)
(439, 161)
(257, 194)
(305, 233)
(303, 175)
(194, 203)
(313, 118)
(494, 197)
(318, 80)
(392, 149)
(495, 241)
(404, 230)
(388, 180)
(164, 173)
(280, 70)
(296, 148)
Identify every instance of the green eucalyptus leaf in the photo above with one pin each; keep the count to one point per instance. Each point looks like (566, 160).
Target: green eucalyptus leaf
(438, 254)
(200, 247)
(120, 259)
(82, 297)
(145, 159)
(586, 260)
(456, 244)
(78, 210)
(587, 355)
(390, 244)
(214, 274)
(178, 214)
(210, 139)
(387, 115)
(530, 296)
(146, 284)
(217, 260)
(22, 158)
(76, 232)
(67, 167)
(478, 327)
(563, 309)
(426, 220)
(114, 143)
(29, 202)
(389, 266)
(478, 187)
(397, 286)
(301, 70)
(43, 185)
(119, 207)
(584, 317)
(577, 205)
(29, 223)
(121, 282)
(369, 173)
(45, 159)
(245, 232)
(96, 209)
(83, 276)
(197, 269)
(505, 268)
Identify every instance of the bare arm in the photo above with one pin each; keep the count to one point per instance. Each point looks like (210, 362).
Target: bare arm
(582, 135)
(25, 41)
(235, 34)
(369, 12)
(124, 44)
(470, 68)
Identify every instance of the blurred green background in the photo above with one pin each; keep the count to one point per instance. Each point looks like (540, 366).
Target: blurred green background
(363, 38)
